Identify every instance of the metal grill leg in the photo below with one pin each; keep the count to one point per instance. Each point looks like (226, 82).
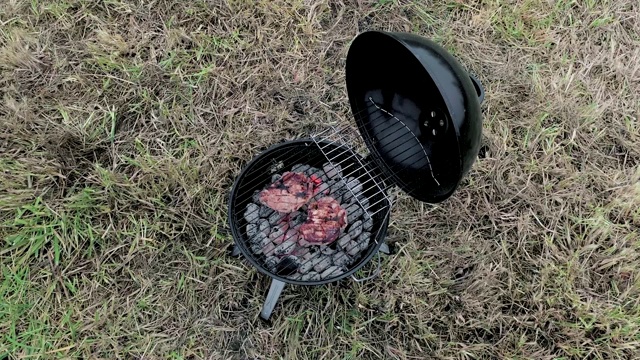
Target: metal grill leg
(235, 251)
(384, 248)
(272, 299)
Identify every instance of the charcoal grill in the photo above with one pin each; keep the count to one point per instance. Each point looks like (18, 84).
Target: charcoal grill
(417, 127)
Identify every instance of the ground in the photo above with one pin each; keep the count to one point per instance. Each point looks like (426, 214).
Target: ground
(123, 125)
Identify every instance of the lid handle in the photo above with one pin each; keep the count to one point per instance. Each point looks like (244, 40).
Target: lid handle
(479, 88)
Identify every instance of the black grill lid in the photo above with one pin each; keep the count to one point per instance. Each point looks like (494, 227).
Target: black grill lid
(417, 109)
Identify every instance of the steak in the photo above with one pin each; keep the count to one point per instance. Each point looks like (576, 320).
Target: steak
(326, 219)
(290, 192)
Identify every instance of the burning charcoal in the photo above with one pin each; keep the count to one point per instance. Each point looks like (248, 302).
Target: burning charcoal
(367, 225)
(285, 248)
(344, 240)
(277, 235)
(309, 264)
(252, 213)
(252, 229)
(296, 219)
(332, 171)
(316, 173)
(310, 254)
(331, 271)
(256, 197)
(362, 200)
(353, 248)
(275, 218)
(275, 177)
(271, 262)
(327, 250)
(338, 189)
(300, 168)
(347, 197)
(266, 212)
(325, 220)
(341, 259)
(269, 249)
(264, 227)
(292, 234)
(301, 252)
(311, 276)
(290, 192)
(355, 229)
(256, 248)
(324, 189)
(354, 185)
(287, 266)
(363, 239)
(321, 265)
(259, 243)
(295, 276)
(354, 212)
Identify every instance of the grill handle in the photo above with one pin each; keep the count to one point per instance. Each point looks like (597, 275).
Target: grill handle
(479, 88)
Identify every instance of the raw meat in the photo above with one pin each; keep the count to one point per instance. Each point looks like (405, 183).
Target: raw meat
(290, 192)
(325, 221)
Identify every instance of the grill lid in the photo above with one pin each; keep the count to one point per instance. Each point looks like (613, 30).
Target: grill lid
(417, 109)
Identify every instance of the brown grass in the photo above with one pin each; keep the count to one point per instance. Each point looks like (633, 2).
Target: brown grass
(124, 124)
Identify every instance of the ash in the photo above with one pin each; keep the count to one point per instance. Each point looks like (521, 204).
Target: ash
(276, 236)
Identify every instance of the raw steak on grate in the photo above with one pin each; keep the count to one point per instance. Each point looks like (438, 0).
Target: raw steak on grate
(290, 192)
(325, 221)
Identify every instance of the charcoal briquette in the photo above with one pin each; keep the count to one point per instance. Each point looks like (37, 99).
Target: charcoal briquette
(341, 259)
(252, 229)
(309, 264)
(355, 229)
(344, 240)
(367, 225)
(266, 211)
(354, 212)
(331, 271)
(275, 218)
(252, 213)
(332, 171)
(298, 168)
(324, 263)
(264, 227)
(287, 266)
(310, 276)
(285, 248)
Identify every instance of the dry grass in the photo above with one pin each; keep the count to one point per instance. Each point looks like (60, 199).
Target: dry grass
(124, 123)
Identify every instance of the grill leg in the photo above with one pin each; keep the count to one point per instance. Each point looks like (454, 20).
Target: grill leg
(272, 298)
(384, 248)
(235, 251)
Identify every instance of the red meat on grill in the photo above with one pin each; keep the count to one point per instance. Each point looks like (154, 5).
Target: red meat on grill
(325, 221)
(290, 192)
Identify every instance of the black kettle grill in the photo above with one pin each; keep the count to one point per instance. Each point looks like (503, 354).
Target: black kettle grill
(418, 126)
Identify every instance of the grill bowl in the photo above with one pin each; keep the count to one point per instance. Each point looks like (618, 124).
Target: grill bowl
(281, 157)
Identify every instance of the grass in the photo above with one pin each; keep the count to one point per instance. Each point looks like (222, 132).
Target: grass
(125, 122)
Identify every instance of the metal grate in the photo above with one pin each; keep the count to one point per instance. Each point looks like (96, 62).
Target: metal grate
(342, 138)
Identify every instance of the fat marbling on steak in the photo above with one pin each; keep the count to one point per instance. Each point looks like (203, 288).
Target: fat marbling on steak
(290, 192)
(326, 219)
